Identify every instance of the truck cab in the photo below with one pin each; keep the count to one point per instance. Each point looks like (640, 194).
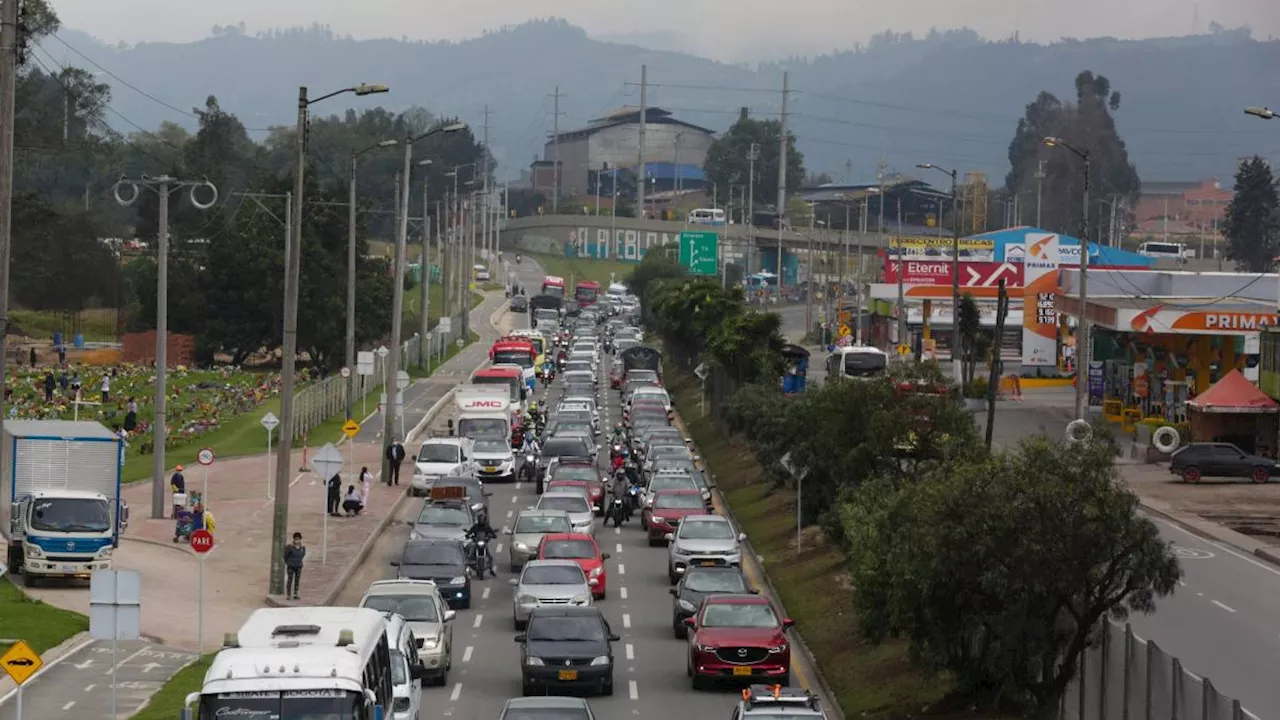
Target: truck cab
(483, 411)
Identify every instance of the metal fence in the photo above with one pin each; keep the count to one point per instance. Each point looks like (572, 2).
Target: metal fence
(325, 398)
(1124, 677)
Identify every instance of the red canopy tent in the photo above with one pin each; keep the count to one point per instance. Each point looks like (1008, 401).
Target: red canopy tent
(1235, 410)
(1234, 394)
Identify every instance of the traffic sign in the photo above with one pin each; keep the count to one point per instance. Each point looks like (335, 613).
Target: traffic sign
(205, 456)
(445, 325)
(699, 252)
(904, 349)
(845, 331)
(345, 372)
(382, 351)
(202, 541)
(351, 428)
(402, 380)
(328, 461)
(364, 362)
(270, 421)
(21, 662)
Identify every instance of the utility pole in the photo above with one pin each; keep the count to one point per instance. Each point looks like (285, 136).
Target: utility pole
(555, 149)
(808, 306)
(424, 298)
(751, 185)
(1082, 342)
(902, 269)
(1040, 175)
(8, 83)
(163, 186)
(641, 179)
(782, 176)
(484, 168)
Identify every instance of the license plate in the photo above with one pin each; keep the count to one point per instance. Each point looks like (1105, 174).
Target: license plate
(742, 671)
(573, 674)
(68, 568)
(707, 563)
(491, 468)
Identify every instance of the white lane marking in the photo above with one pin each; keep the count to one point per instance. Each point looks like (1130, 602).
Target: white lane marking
(622, 593)
(510, 513)
(479, 619)
(457, 692)
(632, 690)
(89, 688)
(1228, 608)
(513, 499)
(619, 547)
(68, 705)
(626, 620)
(122, 662)
(485, 595)
(517, 486)
(1217, 545)
(631, 652)
(466, 654)
(499, 548)
(622, 569)
(617, 531)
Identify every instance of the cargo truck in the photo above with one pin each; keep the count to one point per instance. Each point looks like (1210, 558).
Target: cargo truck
(61, 513)
(483, 411)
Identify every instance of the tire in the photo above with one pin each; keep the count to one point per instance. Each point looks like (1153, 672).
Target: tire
(519, 625)
(786, 679)
(679, 630)
(644, 524)
(671, 575)
(697, 681)
(443, 679)
(656, 543)
(28, 580)
(1260, 474)
(515, 568)
(606, 687)
(1191, 475)
(526, 689)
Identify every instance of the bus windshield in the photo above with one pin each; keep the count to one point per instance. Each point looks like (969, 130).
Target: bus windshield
(512, 383)
(291, 704)
(550, 289)
(523, 358)
(586, 294)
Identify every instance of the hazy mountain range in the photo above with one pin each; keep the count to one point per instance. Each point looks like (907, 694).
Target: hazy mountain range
(951, 98)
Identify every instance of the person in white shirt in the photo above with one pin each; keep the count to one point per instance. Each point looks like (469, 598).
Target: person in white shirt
(106, 389)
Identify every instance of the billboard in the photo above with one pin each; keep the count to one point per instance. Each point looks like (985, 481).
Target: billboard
(938, 272)
(938, 248)
(1041, 260)
(1229, 321)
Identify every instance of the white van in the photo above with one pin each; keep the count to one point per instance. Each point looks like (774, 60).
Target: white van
(707, 216)
(1176, 251)
(406, 685)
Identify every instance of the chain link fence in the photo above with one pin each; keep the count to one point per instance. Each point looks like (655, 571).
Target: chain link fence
(1123, 677)
(326, 398)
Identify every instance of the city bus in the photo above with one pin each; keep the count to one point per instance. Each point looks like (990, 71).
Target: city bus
(516, 351)
(586, 292)
(511, 377)
(337, 660)
(552, 285)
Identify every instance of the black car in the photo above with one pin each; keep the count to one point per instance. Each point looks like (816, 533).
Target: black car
(1218, 459)
(565, 446)
(696, 585)
(520, 304)
(443, 562)
(566, 647)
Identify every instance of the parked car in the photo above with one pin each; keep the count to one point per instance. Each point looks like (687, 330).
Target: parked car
(1216, 459)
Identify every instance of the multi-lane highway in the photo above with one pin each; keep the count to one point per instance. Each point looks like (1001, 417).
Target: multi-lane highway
(650, 661)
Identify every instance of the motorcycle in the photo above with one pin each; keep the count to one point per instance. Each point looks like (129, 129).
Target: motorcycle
(479, 558)
(518, 259)
(617, 512)
(527, 468)
(633, 500)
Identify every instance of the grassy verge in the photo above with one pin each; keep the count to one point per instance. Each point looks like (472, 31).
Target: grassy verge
(97, 325)
(169, 700)
(867, 681)
(574, 269)
(41, 625)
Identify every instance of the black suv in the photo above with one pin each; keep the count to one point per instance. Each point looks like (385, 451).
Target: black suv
(1216, 459)
(696, 585)
(520, 304)
(443, 562)
(566, 647)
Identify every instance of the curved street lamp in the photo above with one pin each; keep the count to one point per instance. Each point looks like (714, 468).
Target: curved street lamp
(1082, 341)
(1260, 112)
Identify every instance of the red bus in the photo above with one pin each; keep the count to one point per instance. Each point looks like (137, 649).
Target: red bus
(552, 285)
(508, 376)
(586, 292)
(517, 352)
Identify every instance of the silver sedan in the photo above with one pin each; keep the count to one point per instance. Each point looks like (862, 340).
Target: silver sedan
(549, 583)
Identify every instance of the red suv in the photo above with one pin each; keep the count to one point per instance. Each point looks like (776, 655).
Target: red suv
(738, 637)
(668, 508)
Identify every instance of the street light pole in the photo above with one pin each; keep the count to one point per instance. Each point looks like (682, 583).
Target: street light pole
(955, 267)
(1082, 332)
(351, 272)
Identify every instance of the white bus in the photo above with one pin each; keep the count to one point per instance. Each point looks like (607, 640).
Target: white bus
(305, 662)
(857, 361)
(707, 216)
(1176, 251)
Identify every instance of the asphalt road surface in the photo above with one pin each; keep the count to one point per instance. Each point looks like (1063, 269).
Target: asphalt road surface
(650, 662)
(78, 687)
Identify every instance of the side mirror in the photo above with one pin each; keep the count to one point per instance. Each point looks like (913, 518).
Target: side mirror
(416, 672)
(673, 591)
(604, 556)
(593, 582)
(520, 638)
(513, 582)
(742, 537)
(755, 591)
(696, 458)
(669, 537)
(488, 494)
(449, 615)
(413, 458)
(614, 638)
(395, 563)
(788, 622)
(192, 700)
(690, 622)
(506, 531)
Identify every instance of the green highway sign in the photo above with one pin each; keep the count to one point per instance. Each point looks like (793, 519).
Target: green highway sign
(699, 251)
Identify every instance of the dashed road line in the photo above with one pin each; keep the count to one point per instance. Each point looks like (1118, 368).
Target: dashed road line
(632, 690)
(622, 593)
(619, 548)
(484, 595)
(631, 652)
(479, 619)
(89, 688)
(499, 548)
(68, 705)
(1228, 608)
(622, 569)
(626, 620)
(466, 654)
(457, 692)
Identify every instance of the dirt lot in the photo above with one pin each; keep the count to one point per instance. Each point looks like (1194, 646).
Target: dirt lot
(1242, 506)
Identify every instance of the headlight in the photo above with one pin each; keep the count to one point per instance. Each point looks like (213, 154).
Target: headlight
(602, 660)
(413, 535)
(686, 605)
(704, 648)
(33, 550)
(582, 599)
(460, 580)
(778, 649)
(527, 600)
(521, 547)
(534, 661)
(677, 550)
(657, 519)
(401, 705)
(431, 643)
(105, 552)
(597, 572)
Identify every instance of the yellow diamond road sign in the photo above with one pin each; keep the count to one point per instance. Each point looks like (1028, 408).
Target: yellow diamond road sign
(351, 428)
(845, 331)
(904, 349)
(21, 662)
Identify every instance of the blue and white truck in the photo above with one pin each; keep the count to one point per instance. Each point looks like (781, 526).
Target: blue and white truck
(61, 514)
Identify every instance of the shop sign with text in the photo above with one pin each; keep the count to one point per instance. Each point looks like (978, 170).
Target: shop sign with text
(1039, 302)
(938, 272)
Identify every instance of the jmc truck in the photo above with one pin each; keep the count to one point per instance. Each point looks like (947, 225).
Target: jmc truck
(484, 411)
(61, 513)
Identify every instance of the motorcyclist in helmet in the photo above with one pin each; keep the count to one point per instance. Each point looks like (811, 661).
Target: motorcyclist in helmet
(530, 445)
(619, 435)
(482, 531)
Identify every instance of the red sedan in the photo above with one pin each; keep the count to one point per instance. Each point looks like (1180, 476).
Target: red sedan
(738, 637)
(668, 508)
(580, 548)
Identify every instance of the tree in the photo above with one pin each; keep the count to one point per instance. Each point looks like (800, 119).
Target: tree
(1252, 223)
(999, 570)
(58, 261)
(728, 160)
(974, 341)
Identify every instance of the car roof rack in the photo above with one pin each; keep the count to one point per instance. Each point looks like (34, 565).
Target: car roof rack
(778, 695)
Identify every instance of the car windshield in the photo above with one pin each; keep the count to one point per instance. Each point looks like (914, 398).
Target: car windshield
(566, 629)
(438, 452)
(433, 555)
(553, 575)
(530, 524)
(568, 549)
(685, 464)
(575, 472)
(706, 530)
(557, 447)
(738, 615)
(714, 581)
(414, 608)
(673, 482)
(570, 427)
(443, 515)
(567, 503)
(71, 515)
(491, 446)
(676, 501)
(399, 669)
(546, 713)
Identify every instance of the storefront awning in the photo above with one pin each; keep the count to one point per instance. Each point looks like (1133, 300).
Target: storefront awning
(1234, 394)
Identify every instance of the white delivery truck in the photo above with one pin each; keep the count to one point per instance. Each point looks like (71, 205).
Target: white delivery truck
(484, 411)
(61, 513)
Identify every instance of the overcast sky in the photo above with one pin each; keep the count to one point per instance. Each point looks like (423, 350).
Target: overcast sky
(732, 30)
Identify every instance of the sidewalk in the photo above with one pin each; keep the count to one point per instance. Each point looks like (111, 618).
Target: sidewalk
(236, 572)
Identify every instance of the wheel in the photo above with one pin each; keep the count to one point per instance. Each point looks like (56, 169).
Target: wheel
(655, 543)
(699, 682)
(466, 604)
(28, 580)
(1191, 474)
(679, 630)
(520, 625)
(671, 575)
(786, 679)
(515, 568)
(1260, 474)
(644, 524)
(600, 595)
(606, 687)
(443, 679)
(526, 689)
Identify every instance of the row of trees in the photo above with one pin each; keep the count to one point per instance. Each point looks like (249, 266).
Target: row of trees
(996, 567)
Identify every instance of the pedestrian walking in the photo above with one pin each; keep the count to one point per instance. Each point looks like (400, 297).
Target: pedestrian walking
(32, 355)
(49, 384)
(294, 553)
(366, 485)
(395, 454)
(76, 384)
(334, 498)
(106, 389)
